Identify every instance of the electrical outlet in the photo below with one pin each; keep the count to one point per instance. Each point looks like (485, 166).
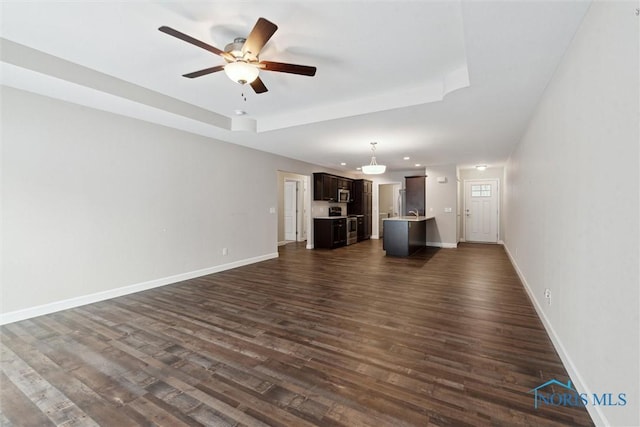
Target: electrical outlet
(547, 295)
(225, 251)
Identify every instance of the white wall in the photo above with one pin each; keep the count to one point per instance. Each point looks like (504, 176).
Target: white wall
(95, 204)
(440, 196)
(572, 203)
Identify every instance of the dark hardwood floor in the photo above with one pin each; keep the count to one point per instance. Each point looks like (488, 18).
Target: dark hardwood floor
(331, 338)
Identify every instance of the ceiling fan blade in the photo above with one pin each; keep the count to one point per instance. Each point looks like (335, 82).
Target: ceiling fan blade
(204, 72)
(258, 86)
(196, 42)
(303, 70)
(259, 36)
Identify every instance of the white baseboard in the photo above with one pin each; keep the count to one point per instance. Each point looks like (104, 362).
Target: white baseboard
(309, 246)
(594, 411)
(284, 242)
(443, 245)
(501, 242)
(27, 313)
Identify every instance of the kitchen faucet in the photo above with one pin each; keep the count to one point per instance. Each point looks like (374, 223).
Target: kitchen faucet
(414, 213)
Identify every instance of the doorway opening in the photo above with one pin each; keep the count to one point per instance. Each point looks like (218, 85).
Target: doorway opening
(389, 203)
(293, 207)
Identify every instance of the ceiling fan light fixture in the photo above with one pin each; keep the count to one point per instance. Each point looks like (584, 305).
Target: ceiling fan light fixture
(243, 65)
(241, 72)
(373, 168)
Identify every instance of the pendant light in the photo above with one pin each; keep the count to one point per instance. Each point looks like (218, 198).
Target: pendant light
(373, 168)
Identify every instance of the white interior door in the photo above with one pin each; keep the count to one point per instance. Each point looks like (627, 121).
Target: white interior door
(290, 210)
(481, 211)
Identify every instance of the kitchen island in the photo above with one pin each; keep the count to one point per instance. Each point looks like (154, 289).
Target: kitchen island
(405, 235)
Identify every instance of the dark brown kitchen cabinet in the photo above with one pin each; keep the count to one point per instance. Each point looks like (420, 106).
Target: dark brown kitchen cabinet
(344, 184)
(362, 205)
(404, 237)
(329, 233)
(368, 215)
(325, 187)
(416, 187)
(361, 232)
(368, 186)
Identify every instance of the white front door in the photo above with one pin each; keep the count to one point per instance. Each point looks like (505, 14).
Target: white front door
(481, 211)
(290, 209)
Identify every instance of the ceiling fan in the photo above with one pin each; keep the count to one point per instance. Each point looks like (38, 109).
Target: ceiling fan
(243, 64)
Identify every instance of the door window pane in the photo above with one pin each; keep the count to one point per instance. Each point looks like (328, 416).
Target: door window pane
(480, 190)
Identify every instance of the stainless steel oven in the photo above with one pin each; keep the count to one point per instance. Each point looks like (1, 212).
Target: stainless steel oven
(352, 230)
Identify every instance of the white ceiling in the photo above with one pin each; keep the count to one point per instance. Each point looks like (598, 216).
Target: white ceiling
(445, 82)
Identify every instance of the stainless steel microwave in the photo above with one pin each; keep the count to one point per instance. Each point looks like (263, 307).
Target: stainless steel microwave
(343, 196)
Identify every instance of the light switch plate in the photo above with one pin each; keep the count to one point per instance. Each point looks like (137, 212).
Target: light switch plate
(448, 210)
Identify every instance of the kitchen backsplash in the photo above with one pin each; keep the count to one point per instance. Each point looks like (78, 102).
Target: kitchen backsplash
(319, 208)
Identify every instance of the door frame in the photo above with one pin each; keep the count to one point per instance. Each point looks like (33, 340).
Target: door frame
(304, 207)
(296, 215)
(498, 204)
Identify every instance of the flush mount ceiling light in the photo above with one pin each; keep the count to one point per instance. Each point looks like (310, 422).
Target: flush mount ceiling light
(481, 167)
(373, 168)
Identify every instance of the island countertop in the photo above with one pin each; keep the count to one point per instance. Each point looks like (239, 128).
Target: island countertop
(405, 235)
(409, 218)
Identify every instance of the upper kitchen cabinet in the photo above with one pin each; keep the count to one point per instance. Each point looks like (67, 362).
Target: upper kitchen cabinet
(345, 184)
(326, 186)
(416, 190)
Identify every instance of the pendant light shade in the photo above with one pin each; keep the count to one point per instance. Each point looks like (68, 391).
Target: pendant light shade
(373, 168)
